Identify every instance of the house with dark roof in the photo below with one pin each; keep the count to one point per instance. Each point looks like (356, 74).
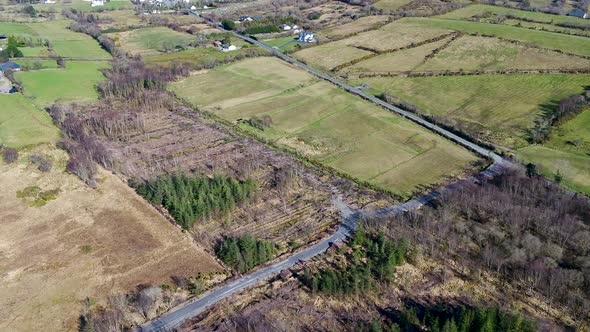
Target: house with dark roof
(9, 65)
(578, 13)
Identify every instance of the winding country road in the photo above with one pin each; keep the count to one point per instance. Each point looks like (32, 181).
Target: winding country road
(175, 318)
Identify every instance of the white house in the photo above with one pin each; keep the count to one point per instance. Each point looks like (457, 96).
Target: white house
(96, 3)
(193, 7)
(48, 2)
(285, 27)
(228, 47)
(306, 37)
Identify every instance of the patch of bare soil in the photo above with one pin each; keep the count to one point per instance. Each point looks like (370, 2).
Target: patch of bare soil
(85, 243)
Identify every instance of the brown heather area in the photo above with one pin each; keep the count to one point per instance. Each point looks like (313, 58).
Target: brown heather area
(84, 244)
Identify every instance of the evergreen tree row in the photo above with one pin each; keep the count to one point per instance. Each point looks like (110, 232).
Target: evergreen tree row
(190, 198)
(374, 259)
(245, 252)
(445, 319)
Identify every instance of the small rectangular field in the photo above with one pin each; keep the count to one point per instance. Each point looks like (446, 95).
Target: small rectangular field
(152, 40)
(322, 122)
(22, 124)
(360, 25)
(393, 36)
(76, 83)
(495, 107)
(555, 41)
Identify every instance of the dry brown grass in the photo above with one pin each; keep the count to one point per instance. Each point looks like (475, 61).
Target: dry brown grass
(84, 244)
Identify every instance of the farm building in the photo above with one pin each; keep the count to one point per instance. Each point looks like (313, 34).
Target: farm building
(228, 47)
(245, 19)
(96, 3)
(9, 65)
(306, 37)
(578, 13)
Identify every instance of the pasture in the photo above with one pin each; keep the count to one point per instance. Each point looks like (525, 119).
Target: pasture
(555, 41)
(153, 40)
(485, 53)
(322, 122)
(331, 55)
(354, 27)
(68, 43)
(199, 55)
(404, 60)
(498, 108)
(481, 9)
(75, 83)
(391, 4)
(567, 151)
(22, 124)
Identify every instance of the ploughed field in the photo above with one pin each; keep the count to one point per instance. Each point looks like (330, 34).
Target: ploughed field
(322, 122)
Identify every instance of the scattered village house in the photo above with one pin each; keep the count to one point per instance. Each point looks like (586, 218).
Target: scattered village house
(96, 3)
(306, 37)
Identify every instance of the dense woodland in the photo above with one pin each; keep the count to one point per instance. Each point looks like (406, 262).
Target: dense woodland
(529, 232)
(372, 261)
(245, 252)
(191, 198)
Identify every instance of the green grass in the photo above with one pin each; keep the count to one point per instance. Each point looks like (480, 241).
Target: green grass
(76, 83)
(391, 4)
(10, 28)
(34, 51)
(68, 43)
(497, 107)
(551, 40)
(282, 41)
(485, 53)
(574, 167)
(198, 55)
(22, 124)
(567, 151)
(479, 9)
(152, 40)
(322, 122)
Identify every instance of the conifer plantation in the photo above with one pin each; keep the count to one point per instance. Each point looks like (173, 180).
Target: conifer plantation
(246, 252)
(191, 198)
(374, 259)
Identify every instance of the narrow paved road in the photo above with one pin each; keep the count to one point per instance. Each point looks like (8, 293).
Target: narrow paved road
(349, 217)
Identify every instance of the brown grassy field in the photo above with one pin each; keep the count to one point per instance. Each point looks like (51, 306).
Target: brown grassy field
(84, 244)
(347, 29)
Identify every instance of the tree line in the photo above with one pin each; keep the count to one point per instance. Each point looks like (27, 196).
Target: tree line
(191, 198)
(374, 259)
(444, 318)
(245, 252)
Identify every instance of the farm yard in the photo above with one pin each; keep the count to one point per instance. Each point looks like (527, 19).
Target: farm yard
(326, 124)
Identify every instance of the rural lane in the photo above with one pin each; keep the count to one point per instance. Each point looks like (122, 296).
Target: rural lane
(175, 318)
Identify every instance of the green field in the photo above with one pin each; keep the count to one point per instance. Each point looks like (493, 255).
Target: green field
(498, 108)
(485, 53)
(479, 9)
(68, 43)
(567, 151)
(152, 40)
(22, 124)
(282, 41)
(404, 60)
(9, 28)
(198, 55)
(76, 83)
(556, 41)
(391, 4)
(320, 121)
(359, 25)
